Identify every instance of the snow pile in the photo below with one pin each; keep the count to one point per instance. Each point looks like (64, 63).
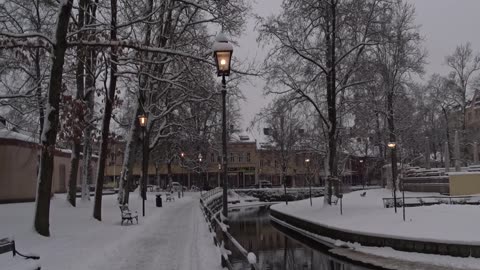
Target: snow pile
(252, 259)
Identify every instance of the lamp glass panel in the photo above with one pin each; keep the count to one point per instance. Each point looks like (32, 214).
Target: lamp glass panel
(223, 59)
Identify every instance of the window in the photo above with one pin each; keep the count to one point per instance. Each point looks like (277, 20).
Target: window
(261, 163)
(212, 157)
(248, 157)
(232, 158)
(240, 157)
(276, 164)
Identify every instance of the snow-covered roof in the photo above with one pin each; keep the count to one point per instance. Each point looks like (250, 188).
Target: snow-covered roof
(9, 134)
(241, 137)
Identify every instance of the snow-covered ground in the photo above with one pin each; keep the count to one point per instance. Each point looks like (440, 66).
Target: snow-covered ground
(366, 215)
(172, 237)
(236, 200)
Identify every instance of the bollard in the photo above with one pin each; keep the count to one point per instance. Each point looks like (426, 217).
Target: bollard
(179, 194)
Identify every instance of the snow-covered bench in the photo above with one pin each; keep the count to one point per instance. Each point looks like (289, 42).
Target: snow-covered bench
(127, 214)
(8, 245)
(170, 197)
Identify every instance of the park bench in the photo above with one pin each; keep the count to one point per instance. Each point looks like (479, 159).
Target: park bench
(7, 245)
(170, 197)
(127, 214)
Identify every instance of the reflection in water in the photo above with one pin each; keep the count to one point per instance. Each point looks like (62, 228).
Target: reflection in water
(274, 249)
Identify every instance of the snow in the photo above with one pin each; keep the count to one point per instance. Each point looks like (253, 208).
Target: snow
(173, 237)
(366, 215)
(252, 259)
(439, 260)
(8, 134)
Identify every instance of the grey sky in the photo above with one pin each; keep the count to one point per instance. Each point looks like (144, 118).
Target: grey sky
(444, 24)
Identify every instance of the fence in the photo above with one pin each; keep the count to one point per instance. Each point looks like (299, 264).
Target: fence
(212, 199)
(432, 200)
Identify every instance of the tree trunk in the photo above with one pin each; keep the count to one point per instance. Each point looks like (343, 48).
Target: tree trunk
(72, 178)
(129, 158)
(89, 96)
(50, 126)
(38, 92)
(107, 115)
(169, 172)
(330, 55)
(80, 73)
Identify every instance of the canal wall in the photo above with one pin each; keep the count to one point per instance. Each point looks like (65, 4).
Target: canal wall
(278, 194)
(365, 239)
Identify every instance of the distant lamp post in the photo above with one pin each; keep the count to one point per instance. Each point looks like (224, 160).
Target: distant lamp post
(182, 158)
(307, 164)
(393, 146)
(222, 51)
(200, 158)
(361, 173)
(142, 119)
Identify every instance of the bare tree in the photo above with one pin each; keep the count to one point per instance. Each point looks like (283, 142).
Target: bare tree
(285, 128)
(317, 54)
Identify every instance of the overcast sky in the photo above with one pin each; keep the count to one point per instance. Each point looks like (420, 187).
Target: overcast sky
(444, 24)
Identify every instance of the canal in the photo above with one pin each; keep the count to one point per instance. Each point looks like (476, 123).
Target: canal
(277, 248)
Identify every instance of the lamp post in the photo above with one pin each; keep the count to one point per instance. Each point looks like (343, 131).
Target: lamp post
(307, 163)
(143, 124)
(182, 156)
(393, 146)
(200, 171)
(222, 51)
(218, 175)
(361, 173)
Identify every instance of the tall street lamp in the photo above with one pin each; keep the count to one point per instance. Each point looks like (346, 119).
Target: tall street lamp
(222, 51)
(143, 124)
(307, 163)
(393, 146)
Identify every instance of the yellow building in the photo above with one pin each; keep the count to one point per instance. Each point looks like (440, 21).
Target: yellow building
(247, 164)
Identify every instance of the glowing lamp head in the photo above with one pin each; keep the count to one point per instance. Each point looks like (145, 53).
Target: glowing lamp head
(222, 51)
(142, 119)
(392, 145)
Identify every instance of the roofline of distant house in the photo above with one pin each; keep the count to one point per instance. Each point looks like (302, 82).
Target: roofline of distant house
(34, 145)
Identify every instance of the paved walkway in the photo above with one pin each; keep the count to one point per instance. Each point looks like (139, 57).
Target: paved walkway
(176, 238)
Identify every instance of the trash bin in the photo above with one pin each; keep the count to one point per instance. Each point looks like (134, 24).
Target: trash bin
(158, 200)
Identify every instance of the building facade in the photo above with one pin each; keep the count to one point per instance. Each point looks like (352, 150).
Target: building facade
(20, 157)
(247, 165)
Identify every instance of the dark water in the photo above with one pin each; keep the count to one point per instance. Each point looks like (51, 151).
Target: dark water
(275, 247)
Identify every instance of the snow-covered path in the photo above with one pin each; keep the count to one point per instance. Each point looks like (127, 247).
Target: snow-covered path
(168, 238)
(177, 239)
